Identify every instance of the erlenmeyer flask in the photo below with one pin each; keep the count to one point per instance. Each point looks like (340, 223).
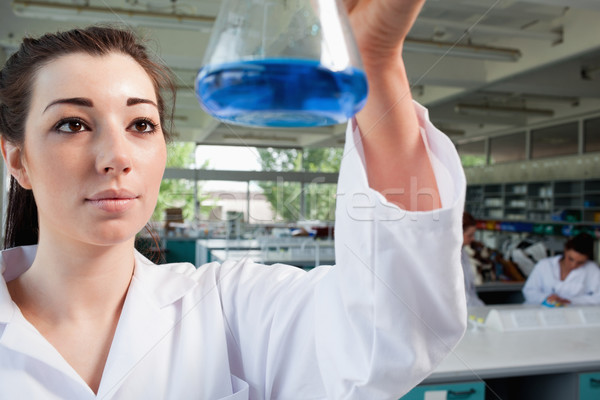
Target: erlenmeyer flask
(286, 63)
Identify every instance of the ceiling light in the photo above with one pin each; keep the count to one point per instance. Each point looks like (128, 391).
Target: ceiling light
(476, 109)
(503, 96)
(67, 12)
(450, 131)
(462, 50)
(554, 36)
(252, 137)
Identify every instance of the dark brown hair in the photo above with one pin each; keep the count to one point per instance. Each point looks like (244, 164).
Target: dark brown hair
(468, 221)
(583, 244)
(16, 81)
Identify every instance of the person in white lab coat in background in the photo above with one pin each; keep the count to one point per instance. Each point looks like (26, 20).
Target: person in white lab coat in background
(570, 278)
(84, 316)
(469, 225)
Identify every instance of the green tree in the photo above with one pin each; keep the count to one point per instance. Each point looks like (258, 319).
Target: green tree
(284, 197)
(470, 160)
(178, 192)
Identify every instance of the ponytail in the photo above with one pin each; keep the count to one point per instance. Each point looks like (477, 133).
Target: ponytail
(21, 227)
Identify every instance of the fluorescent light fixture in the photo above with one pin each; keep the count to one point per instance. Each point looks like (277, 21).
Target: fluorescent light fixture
(253, 137)
(70, 12)
(451, 131)
(571, 100)
(67, 12)
(554, 36)
(476, 109)
(462, 50)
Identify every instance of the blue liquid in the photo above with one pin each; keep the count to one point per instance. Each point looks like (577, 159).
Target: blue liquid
(283, 93)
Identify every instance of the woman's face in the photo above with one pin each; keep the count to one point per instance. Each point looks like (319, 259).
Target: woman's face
(469, 235)
(94, 154)
(573, 259)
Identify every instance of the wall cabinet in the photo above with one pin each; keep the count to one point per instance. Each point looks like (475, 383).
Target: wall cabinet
(450, 391)
(551, 387)
(589, 386)
(181, 250)
(550, 207)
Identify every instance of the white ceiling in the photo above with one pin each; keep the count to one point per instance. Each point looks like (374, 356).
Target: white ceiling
(557, 72)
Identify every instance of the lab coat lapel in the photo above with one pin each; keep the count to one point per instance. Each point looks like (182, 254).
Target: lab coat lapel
(16, 333)
(13, 262)
(22, 337)
(146, 319)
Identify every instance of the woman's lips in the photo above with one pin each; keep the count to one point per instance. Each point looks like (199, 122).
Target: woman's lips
(113, 201)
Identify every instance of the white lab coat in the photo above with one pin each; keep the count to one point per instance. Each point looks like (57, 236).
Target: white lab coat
(469, 276)
(370, 327)
(582, 285)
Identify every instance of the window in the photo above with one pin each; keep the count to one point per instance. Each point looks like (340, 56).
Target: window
(219, 200)
(175, 193)
(472, 154)
(319, 201)
(559, 140)
(282, 199)
(507, 148)
(230, 158)
(276, 159)
(591, 132)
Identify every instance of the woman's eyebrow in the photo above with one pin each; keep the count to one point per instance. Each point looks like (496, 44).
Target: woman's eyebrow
(132, 101)
(78, 101)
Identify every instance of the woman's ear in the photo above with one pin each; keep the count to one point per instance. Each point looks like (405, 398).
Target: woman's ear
(14, 162)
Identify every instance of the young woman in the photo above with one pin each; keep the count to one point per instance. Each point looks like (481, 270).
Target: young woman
(570, 278)
(469, 225)
(84, 316)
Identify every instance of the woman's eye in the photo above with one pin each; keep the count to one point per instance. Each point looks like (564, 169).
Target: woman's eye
(70, 126)
(143, 126)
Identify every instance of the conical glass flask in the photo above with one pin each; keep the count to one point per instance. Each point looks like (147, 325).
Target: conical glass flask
(285, 63)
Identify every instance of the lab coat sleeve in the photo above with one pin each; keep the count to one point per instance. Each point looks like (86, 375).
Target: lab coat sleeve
(534, 290)
(587, 299)
(591, 292)
(394, 305)
(380, 320)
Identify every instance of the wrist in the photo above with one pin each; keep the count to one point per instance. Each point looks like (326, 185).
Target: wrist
(382, 61)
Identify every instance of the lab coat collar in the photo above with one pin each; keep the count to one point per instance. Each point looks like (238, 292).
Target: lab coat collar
(163, 284)
(16, 332)
(145, 319)
(13, 262)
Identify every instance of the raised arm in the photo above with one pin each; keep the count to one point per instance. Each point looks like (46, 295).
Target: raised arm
(395, 153)
(380, 320)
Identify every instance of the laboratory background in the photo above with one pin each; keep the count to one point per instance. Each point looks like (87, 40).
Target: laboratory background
(515, 84)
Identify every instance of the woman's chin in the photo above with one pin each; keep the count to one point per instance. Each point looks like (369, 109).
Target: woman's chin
(110, 237)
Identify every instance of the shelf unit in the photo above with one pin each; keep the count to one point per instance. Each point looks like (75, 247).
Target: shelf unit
(548, 207)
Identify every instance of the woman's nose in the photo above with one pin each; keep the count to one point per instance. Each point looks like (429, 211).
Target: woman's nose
(114, 154)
